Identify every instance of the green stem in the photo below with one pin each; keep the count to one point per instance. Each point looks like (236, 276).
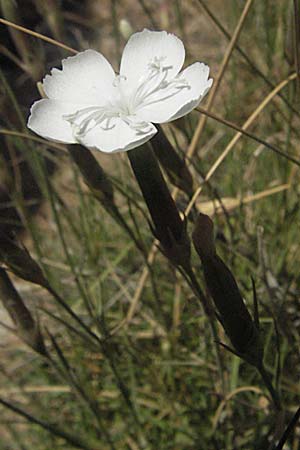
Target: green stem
(195, 286)
(267, 381)
(125, 393)
(68, 375)
(75, 441)
(69, 310)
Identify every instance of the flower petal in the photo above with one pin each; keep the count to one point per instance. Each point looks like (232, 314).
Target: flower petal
(46, 119)
(120, 136)
(86, 78)
(160, 110)
(146, 47)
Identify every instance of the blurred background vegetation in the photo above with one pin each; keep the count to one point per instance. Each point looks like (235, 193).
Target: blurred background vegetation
(152, 381)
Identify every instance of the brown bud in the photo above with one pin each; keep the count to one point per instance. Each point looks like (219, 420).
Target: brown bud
(203, 237)
(27, 328)
(226, 296)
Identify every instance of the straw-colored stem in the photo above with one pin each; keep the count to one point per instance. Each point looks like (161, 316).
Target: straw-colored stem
(38, 35)
(224, 64)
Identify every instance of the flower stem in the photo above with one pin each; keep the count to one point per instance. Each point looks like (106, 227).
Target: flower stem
(274, 394)
(68, 309)
(75, 441)
(195, 286)
(125, 393)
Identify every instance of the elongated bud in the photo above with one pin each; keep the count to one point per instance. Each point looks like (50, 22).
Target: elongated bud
(169, 228)
(174, 165)
(226, 296)
(93, 174)
(27, 328)
(20, 262)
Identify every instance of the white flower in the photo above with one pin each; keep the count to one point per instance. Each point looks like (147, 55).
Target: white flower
(88, 103)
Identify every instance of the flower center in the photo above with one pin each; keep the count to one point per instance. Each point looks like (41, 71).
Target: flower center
(87, 119)
(154, 86)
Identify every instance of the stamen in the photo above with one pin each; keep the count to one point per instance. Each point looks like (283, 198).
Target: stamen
(154, 86)
(140, 127)
(88, 118)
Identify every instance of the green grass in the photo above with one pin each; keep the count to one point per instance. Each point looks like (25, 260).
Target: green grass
(154, 381)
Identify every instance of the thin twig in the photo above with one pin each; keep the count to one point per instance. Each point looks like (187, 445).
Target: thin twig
(23, 135)
(297, 37)
(266, 378)
(38, 35)
(53, 429)
(243, 131)
(217, 81)
(244, 54)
